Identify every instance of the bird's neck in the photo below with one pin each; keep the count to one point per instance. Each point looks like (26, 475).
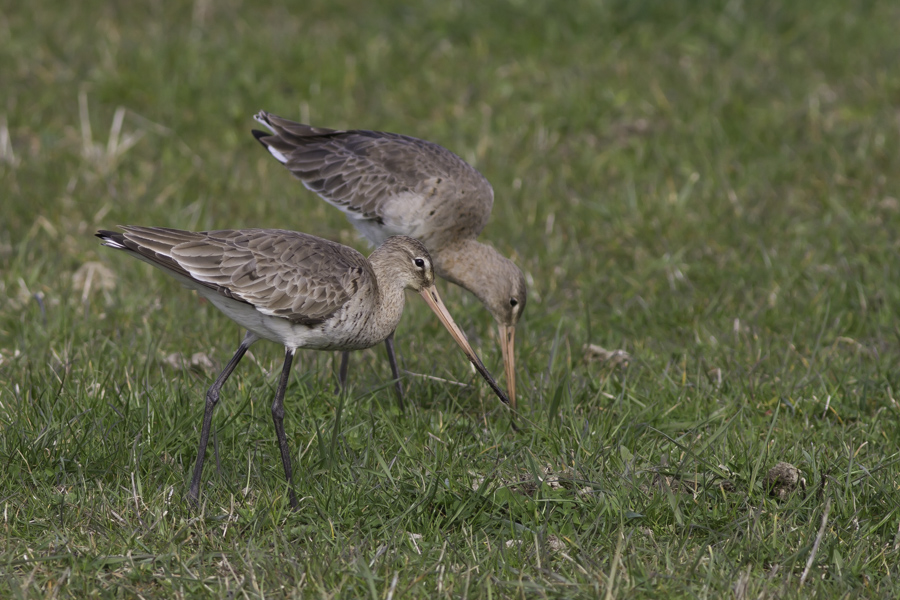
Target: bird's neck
(390, 297)
(470, 265)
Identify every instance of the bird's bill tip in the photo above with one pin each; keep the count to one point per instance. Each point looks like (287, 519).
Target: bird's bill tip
(433, 299)
(508, 348)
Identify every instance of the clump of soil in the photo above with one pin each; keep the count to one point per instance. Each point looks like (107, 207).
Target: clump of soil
(782, 479)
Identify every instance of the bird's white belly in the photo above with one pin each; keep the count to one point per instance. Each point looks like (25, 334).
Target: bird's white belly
(278, 329)
(326, 336)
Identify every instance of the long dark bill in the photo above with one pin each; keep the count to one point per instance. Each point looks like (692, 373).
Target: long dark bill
(433, 299)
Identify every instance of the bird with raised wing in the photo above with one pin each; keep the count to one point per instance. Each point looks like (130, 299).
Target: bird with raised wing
(295, 289)
(390, 184)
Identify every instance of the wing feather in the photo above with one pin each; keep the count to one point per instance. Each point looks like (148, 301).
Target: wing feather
(363, 172)
(293, 275)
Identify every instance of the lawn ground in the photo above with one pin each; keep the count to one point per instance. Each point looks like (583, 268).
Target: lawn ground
(712, 188)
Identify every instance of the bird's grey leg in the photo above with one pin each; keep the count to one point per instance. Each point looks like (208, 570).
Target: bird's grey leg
(392, 358)
(278, 417)
(342, 372)
(212, 398)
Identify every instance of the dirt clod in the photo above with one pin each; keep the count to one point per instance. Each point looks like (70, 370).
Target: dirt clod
(782, 479)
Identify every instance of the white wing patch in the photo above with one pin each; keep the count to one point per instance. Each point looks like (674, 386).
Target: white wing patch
(113, 244)
(263, 122)
(278, 155)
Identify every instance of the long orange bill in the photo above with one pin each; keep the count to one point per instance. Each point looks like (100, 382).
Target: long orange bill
(508, 347)
(433, 299)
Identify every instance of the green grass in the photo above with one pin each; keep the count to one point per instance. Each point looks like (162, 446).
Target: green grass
(712, 187)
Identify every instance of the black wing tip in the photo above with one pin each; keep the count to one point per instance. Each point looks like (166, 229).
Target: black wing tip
(112, 239)
(259, 135)
(106, 234)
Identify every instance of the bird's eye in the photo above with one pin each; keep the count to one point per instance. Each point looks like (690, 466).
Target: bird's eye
(419, 262)
(513, 302)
